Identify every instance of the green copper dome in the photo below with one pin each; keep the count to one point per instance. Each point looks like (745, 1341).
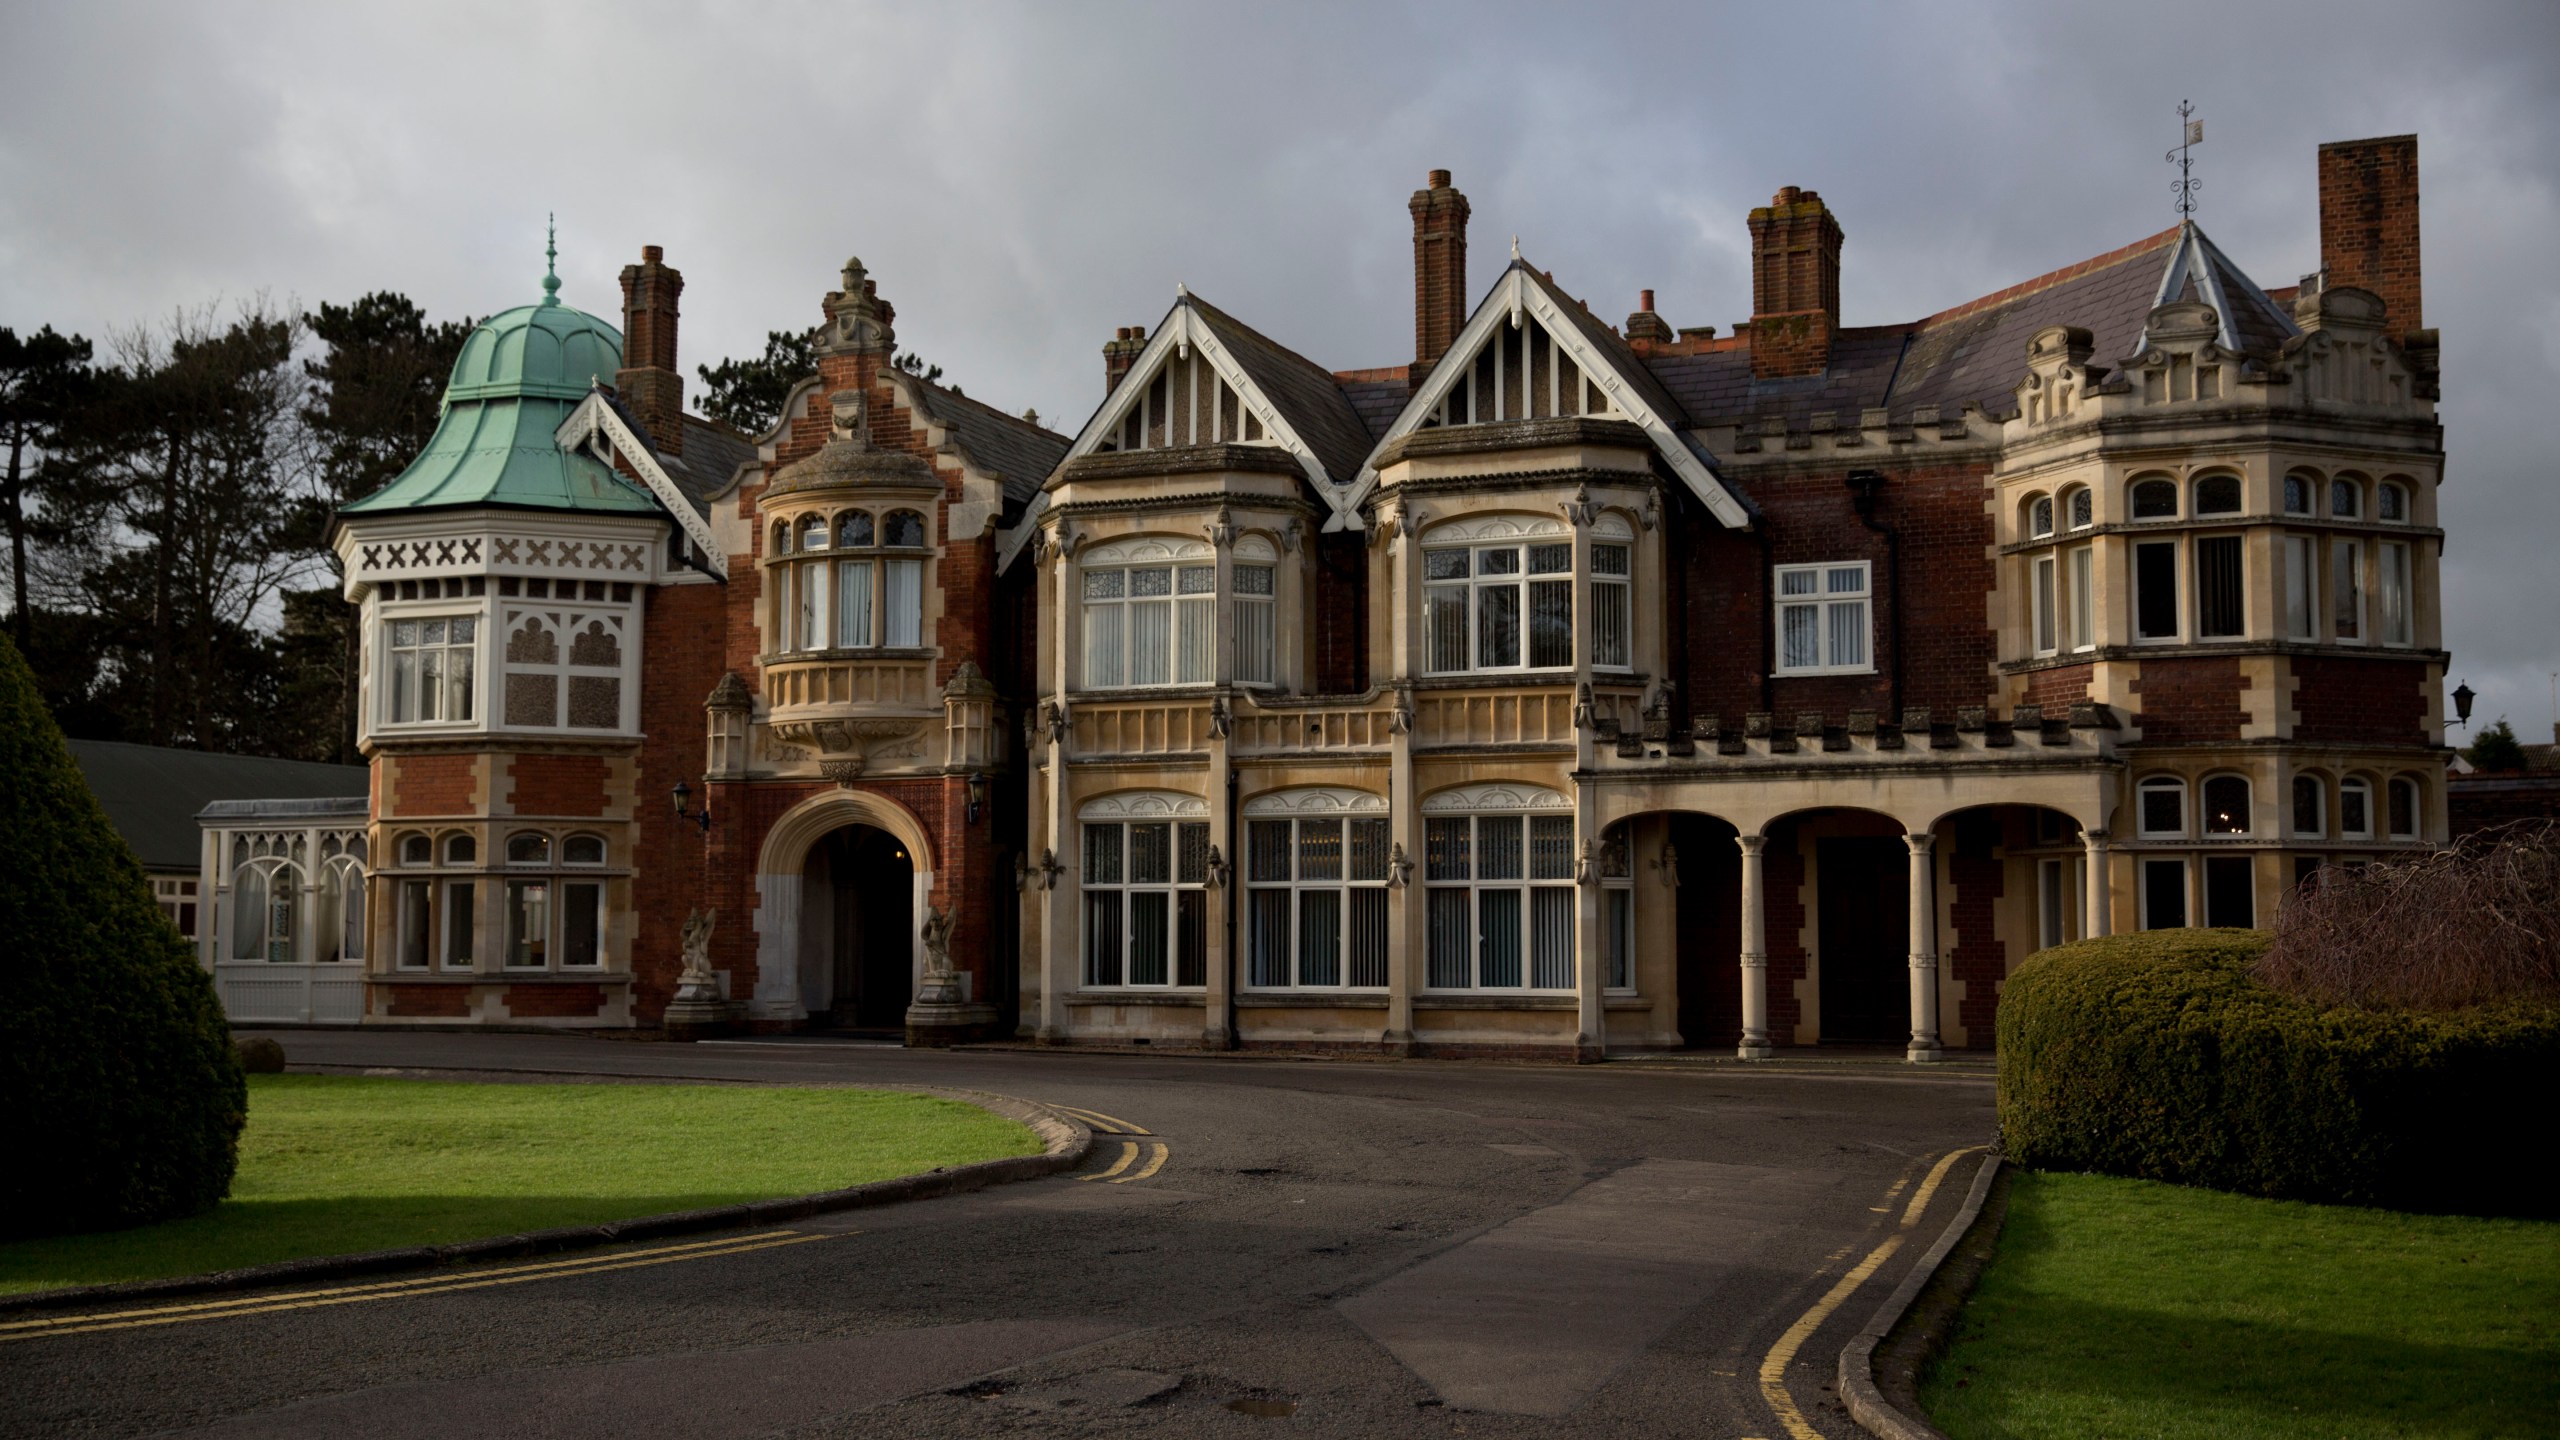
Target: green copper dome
(519, 375)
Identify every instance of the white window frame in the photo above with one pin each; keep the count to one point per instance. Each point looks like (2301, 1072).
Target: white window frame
(1618, 910)
(1824, 599)
(2058, 900)
(2176, 587)
(2143, 870)
(2302, 588)
(467, 691)
(2395, 594)
(2045, 587)
(815, 584)
(2319, 792)
(563, 882)
(1471, 813)
(2196, 577)
(1109, 610)
(2133, 508)
(1256, 608)
(2248, 803)
(2082, 568)
(2355, 788)
(1613, 591)
(2155, 785)
(2041, 514)
(1122, 814)
(1299, 820)
(2079, 508)
(1528, 586)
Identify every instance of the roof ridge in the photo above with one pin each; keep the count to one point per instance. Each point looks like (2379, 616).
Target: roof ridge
(943, 391)
(2050, 279)
(1224, 317)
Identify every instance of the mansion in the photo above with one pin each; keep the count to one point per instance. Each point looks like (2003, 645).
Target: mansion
(1567, 688)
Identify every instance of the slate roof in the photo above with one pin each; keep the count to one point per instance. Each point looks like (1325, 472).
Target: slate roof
(712, 454)
(1605, 337)
(1306, 394)
(1016, 450)
(1376, 396)
(153, 793)
(1975, 353)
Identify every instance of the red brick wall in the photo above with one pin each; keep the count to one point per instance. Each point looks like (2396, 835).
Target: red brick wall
(1342, 613)
(554, 1002)
(2352, 700)
(427, 784)
(2478, 803)
(1980, 959)
(1787, 345)
(2058, 688)
(437, 1002)
(2189, 701)
(560, 785)
(2369, 223)
(1947, 647)
(685, 652)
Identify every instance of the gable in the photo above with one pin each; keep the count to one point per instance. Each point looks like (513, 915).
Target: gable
(1527, 354)
(1190, 387)
(598, 426)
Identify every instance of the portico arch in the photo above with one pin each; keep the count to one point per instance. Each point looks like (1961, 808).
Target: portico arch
(780, 865)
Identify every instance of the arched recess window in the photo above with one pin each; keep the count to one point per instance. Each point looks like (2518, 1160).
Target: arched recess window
(1498, 861)
(340, 933)
(1144, 878)
(2402, 807)
(2218, 495)
(2226, 805)
(2078, 508)
(266, 895)
(2310, 807)
(415, 849)
(2040, 517)
(2298, 490)
(1316, 876)
(2346, 498)
(2155, 499)
(2391, 503)
(2162, 807)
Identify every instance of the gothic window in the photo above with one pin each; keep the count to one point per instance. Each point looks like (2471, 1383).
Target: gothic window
(266, 896)
(340, 932)
(564, 670)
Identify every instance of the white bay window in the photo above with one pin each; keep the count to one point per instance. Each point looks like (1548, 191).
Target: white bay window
(432, 665)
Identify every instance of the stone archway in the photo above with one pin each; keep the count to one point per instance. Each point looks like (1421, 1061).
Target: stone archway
(781, 867)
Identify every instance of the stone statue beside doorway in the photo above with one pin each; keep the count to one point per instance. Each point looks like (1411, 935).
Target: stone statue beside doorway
(697, 1008)
(942, 1013)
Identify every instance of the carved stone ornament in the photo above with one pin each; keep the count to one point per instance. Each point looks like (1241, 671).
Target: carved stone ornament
(1586, 870)
(848, 418)
(1217, 869)
(858, 320)
(730, 694)
(1579, 512)
(1219, 722)
(968, 682)
(1222, 531)
(696, 981)
(1582, 707)
(843, 772)
(1399, 867)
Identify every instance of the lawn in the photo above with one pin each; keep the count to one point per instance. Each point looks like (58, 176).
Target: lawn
(2128, 1308)
(331, 1165)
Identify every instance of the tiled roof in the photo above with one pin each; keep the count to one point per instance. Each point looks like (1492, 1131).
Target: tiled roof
(1974, 353)
(712, 454)
(152, 793)
(1306, 394)
(1377, 396)
(1017, 451)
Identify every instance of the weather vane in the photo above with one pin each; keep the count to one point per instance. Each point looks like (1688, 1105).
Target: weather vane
(2186, 185)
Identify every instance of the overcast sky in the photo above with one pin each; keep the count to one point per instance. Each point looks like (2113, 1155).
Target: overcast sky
(1021, 179)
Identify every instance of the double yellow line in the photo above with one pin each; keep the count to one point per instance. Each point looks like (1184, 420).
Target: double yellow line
(272, 1303)
(1773, 1367)
(1121, 1172)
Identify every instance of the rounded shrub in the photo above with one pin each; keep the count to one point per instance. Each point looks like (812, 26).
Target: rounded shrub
(2161, 1055)
(124, 1098)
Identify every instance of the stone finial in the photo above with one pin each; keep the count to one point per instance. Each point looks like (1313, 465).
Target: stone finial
(730, 694)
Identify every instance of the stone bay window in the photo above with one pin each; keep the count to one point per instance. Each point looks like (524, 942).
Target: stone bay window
(1498, 870)
(1149, 614)
(1498, 595)
(1317, 866)
(1144, 877)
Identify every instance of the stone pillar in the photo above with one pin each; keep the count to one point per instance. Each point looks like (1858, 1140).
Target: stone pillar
(1924, 952)
(1755, 952)
(2101, 917)
(1060, 860)
(1591, 1034)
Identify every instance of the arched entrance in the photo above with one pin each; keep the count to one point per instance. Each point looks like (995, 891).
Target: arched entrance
(803, 847)
(857, 929)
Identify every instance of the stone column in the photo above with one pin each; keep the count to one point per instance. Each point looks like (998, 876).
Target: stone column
(1924, 952)
(1591, 1034)
(2100, 919)
(1060, 859)
(1755, 952)
(1221, 899)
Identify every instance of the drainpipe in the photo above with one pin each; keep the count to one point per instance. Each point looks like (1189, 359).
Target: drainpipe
(1768, 619)
(1864, 484)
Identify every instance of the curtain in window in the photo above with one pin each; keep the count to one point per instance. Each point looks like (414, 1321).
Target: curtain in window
(2084, 609)
(2396, 628)
(853, 602)
(2046, 640)
(1498, 912)
(1447, 623)
(2218, 597)
(905, 603)
(1198, 662)
(1191, 938)
(1104, 665)
(1609, 628)
(1450, 934)
(1551, 951)
(1255, 651)
(1497, 627)
(1150, 639)
(1551, 623)
(811, 631)
(1800, 637)
(1102, 942)
(1368, 937)
(1148, 929)
(2301, 588)
(1848, 632)
(1270, 936)
(249, 914)
(1319, 937)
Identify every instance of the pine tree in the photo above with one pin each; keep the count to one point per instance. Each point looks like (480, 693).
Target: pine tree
(2497, 749)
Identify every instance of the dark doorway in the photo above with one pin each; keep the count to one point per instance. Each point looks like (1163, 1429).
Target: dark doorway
(871, 899)
(1864, 935)
(1708, 934)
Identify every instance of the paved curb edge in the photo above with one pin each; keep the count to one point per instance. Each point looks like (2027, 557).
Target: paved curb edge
(1866, 1403)
(1065, 1142)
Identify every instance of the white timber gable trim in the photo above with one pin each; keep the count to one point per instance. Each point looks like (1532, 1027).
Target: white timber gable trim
(1182, 329)
(596, 425)
(1513, 297)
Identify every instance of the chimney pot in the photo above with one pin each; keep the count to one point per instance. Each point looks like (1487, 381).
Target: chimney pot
(652, 254)
(1644, 300)
(1439, 179)
(1786, 195)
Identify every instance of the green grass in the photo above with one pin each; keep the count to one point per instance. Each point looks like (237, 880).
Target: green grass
(331, 1165)
(2116, 1309)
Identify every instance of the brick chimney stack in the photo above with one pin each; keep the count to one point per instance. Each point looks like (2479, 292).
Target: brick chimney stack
(1645, 329)
(2369, 224)
(1439, 270)
(649, 382)
(1119, 353)
(1795, 284)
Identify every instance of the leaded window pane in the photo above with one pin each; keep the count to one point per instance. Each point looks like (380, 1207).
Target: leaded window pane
(1268, 842)
(1151, 854)
(1319, 849)
(1369, 849)
(1444, 846)
(1551, 847)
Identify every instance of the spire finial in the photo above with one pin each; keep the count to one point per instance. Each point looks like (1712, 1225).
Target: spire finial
(551, 260)
(1515, 247)
(2186, 185)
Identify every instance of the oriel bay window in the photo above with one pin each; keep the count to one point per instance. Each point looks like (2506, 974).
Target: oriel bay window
(1500, 900)
(1316, 873)
(1612, 612)
(1498, 595)
(564, 669)
(554, 918)
(842, 583)
(1145, 874)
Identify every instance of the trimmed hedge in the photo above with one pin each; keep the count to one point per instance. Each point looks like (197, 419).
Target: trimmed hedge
(124, 1098)
(2159, 1056)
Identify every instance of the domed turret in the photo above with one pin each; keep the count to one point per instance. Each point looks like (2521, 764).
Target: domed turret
(519, 375)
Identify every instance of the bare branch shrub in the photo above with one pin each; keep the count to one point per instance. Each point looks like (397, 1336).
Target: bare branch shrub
(2467, 926)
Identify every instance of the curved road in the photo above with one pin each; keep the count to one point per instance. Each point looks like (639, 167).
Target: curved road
(1336, 1247)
